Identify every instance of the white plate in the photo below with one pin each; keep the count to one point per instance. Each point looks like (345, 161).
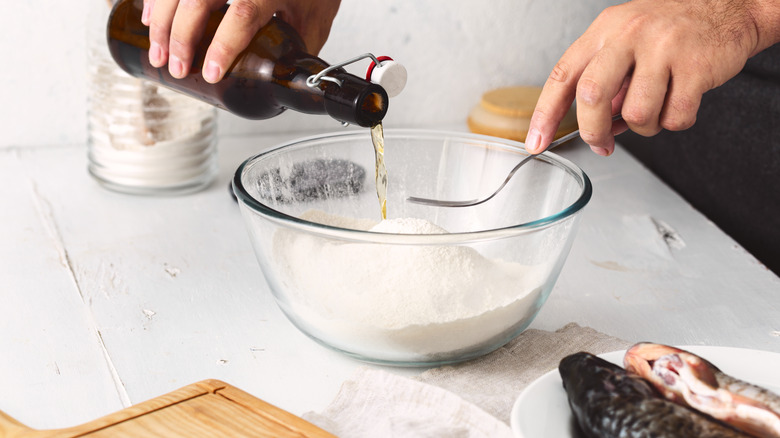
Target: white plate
(542, 410)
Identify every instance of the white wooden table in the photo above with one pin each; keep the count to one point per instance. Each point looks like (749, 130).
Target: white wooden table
(107, 300)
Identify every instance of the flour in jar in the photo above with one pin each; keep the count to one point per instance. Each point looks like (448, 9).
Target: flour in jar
(411, 301)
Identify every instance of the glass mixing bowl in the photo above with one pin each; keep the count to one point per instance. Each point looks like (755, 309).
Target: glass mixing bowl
(430, 285)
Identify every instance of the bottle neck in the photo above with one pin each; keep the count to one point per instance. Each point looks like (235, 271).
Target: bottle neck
(355, 100)
(343, 96)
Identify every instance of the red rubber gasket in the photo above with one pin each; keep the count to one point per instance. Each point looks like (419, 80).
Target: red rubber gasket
(373, 64)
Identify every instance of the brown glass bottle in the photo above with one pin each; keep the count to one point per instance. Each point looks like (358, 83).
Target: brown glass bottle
(267, 78)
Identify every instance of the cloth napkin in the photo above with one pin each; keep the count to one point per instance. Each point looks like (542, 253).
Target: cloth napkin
(468, 400)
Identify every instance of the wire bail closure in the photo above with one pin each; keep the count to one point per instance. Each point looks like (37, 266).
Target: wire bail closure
(314, 81)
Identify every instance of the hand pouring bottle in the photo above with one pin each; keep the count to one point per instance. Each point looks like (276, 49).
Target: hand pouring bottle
(273, 74)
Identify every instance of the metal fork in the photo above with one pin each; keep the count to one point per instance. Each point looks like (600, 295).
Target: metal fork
(473, 202)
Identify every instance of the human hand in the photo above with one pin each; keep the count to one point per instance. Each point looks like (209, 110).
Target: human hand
(651, 61)
(176, 27)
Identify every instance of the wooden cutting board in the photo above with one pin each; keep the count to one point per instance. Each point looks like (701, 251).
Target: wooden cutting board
(205, 409)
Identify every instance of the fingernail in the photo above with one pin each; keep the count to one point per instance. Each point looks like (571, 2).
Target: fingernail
(155, 54)
(532, 140)
(145, 14)
(211, 72)
(174, 66)
(601, 151)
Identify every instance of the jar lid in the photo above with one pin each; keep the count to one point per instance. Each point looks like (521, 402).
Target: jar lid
(512, 101)
(506, 112)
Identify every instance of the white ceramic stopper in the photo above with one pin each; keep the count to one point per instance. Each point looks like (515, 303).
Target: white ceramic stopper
(391, 76)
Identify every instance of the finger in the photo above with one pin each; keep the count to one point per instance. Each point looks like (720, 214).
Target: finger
(619, 126)
(557, 96)
(617, 101)
(600, 83)
(160, 31)
(186, 31)
(682, 102)
(242, 20)
(646, 95)
(147, 12)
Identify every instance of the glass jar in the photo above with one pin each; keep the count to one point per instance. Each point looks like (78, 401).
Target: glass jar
(142, 138)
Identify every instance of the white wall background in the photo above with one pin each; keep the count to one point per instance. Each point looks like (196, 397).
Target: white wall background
(453, 50)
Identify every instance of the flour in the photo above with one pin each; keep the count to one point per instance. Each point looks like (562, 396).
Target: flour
(401, 302)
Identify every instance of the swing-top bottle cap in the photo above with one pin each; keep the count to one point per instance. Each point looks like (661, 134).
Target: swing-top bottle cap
(389, 74)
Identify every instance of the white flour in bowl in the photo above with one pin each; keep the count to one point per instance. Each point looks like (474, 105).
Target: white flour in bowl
(401, 302)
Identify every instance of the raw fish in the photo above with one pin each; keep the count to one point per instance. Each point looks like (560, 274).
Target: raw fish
(609, 402)
(686, 378)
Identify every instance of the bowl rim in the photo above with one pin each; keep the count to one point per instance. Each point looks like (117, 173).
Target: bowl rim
(569, 211)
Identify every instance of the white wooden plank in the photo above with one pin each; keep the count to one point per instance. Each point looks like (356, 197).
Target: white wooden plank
(177, 293)
(686, 283)
(53, 372)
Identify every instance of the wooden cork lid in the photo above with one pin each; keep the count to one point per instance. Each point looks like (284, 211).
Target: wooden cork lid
(506, 112)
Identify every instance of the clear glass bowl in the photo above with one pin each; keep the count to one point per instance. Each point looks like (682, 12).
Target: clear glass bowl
(389, 294)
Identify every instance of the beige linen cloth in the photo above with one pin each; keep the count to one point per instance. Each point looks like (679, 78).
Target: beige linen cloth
(471, 399)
